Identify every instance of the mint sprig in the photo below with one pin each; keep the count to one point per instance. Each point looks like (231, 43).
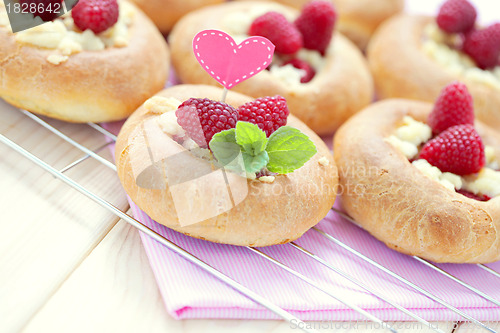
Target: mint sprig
(286, 150)
(251, 138)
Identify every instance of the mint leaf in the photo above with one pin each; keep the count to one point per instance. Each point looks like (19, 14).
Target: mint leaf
(255, 163)
(225, 148)
(288, 150)
(251, 138)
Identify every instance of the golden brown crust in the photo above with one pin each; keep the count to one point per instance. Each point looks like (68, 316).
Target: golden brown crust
(402, 70)
(401, 206)
(165, 13)
(271, 213)
(90, 86)
(342, 88)
(358, 19)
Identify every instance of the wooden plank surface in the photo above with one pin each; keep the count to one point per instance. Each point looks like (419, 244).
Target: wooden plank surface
(472, 328)
(47, 228)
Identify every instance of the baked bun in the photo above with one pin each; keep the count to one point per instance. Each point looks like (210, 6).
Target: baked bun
(402, 69)
(339, 89)
(394, 201)
(358, 19)
(165, 13)
(90, 86)
(271, 213)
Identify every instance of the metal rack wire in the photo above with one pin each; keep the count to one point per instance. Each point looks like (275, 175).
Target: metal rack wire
(93, 153)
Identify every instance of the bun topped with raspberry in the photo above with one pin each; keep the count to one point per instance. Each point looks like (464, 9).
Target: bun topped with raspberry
(239, 172)
(423, 178)
(428, 53)
(97, 63)
(358, 19)
(320, 73)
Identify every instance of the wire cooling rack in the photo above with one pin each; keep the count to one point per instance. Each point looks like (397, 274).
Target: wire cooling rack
(93, 153)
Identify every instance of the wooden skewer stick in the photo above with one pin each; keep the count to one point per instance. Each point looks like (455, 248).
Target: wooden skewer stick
(224, 94)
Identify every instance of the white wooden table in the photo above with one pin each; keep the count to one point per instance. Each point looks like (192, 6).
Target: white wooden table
(67, 265)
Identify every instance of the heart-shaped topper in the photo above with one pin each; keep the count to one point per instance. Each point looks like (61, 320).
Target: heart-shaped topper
(230, 63)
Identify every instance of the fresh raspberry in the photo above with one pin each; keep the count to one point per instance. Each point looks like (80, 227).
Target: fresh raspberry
(96, 15)
(316, 23)
(269, 113)
(47, 10)
(454, 106)
(484, 46)
(202, 118)
(478, 197)
(275, 27)
(495, 32)
(458, 150)
(304, 65)
(456, 16)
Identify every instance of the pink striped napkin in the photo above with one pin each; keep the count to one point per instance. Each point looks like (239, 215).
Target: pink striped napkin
(189, 292)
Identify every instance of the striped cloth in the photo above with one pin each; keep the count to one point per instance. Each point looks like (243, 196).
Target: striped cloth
(190, 292)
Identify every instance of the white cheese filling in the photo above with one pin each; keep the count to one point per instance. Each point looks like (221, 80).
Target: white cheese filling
(409, 136)
(63, 36)
(457, 63)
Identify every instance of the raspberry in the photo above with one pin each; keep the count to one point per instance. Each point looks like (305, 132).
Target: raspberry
(269, 113)
(47, 10)
(275, 27)
(495, 33)
(484, 46)
(316, 23)
(478, 197)
(96, 15)
(454, 106)
(458, 150)
(202, 118)
(456, 16)
(304, 65)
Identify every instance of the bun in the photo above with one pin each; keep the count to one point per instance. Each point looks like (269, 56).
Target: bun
(398, 204)
(93, 86)
(358, 19)
(165, 13)
(270, 214)
(340, 89)
(402, 69)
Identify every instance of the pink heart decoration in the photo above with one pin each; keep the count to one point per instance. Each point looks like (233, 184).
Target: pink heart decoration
(230, 63)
